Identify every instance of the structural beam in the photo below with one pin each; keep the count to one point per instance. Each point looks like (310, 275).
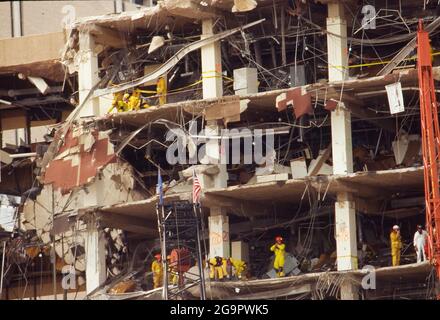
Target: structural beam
(346, 244)
(16, 19)
(211, 63)
(213, 88)
(361, 190)
(342, 149)
(127, 223)
(219, 241)
(108, 37)
(239, 207)
(240, 250)
(337, 42)
(96, 271)
(219, 244)
(88, 74)
(17, 31)
(345, 214)
(119, 6)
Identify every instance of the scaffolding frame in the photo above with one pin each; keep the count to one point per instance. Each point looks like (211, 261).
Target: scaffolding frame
(180, 228)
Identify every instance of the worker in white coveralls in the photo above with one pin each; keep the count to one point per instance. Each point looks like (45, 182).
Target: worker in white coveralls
(419, 243)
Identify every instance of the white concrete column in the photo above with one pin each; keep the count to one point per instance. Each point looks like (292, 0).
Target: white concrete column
(119, 6)
(337, 42)
(211, 63)
(240, 250)
(218, 221)
(20, 134)
(345, 225)
(245, 81)
(342, 147)
(213, 156)
(96, 271)
(342, 153)
(349, 291)
(88, 74)
(213, 88)
(219, 242)
(16, 19)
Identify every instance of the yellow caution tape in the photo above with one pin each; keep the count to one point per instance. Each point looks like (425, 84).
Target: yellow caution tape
(211, 71)
(379, 62)
(187, 86)
(146, 91)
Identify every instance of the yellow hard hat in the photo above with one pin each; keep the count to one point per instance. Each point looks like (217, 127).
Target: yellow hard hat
(126, 96)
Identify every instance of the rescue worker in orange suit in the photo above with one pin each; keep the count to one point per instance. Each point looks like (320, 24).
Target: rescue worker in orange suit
(217, 268)
(396, 245)
(279, 248)
(157, 269)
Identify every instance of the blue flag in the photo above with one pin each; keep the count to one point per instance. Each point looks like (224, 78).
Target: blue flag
(159, 189)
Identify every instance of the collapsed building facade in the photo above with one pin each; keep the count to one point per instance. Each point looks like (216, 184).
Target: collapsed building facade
(343, 168)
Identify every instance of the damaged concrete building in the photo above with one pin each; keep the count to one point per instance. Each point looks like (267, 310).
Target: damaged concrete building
(327, 90)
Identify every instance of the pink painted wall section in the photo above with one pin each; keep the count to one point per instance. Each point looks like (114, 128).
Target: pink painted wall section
(65, 176)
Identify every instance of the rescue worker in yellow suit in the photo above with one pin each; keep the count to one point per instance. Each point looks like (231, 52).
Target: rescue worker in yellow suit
(117, 102)
(161, 90)
(239, 267)
(157, 269)
(396, 245)
(225, 265)
(279, 248)
(217, 268)
(173, 275)
(126, 102)
(134, 102)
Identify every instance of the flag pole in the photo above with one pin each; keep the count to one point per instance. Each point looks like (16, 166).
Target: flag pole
(199, 258)
(164, 258)
(162, 233)
(3, 268)
(196, 204)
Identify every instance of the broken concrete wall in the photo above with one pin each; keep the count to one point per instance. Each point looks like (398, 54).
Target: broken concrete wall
(79, 159)
(85, 174)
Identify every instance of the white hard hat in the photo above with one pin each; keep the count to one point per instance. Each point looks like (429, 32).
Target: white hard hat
(396, 227)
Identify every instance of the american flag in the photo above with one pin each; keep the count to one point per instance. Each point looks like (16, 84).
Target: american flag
(197, 188)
